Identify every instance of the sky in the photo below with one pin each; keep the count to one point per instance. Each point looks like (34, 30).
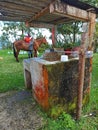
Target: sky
(1, 25)
(47, 34)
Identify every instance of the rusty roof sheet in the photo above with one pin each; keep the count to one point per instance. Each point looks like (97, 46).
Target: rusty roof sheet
(81, 5)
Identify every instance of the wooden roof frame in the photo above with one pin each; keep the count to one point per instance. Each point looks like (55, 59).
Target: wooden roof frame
(41, 13)
(61, 9)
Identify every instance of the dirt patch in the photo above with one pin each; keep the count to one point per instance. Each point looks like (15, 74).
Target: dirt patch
(19, 111)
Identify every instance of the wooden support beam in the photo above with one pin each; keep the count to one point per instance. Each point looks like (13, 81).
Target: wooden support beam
(53, 31)
(91, 29)
(63, 9)
(41, 13)
(41, 25)
(45, 10)
(81, 76)
(62, 20)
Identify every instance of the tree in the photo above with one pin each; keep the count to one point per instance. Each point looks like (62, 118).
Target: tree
(5, 43)
(17, 30)
(67, 33)
(12, 31)
(91, 2)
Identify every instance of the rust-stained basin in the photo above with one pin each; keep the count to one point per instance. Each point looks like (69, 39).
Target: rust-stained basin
(55, 84)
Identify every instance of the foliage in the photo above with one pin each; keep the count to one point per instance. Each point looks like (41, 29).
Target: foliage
(58, 44)
(43, 47)
(10, 33)
(16, 30)
(66, 33)
(96, 35)
(5, 41)
(95, 71)
(66, 45)
(63, 122)
(91, 2)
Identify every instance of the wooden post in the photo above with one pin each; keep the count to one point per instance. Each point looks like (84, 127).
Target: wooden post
(82, 62)
(90, 37)
(81, 76)
(53, 35)
(91, 28)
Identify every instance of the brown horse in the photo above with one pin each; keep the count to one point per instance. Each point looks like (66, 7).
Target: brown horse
(22, 45)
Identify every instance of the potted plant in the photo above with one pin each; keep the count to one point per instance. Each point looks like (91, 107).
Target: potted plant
(58, 46)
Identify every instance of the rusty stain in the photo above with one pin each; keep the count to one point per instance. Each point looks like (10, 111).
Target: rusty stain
(91, 61)
(45, 76)
(41, 90)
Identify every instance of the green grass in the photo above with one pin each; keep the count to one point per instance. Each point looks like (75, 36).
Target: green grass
(95, 71)
(12, 78)
(11, 72)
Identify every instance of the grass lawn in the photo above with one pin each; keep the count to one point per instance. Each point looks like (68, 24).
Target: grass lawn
(11, 72)
(12, 78)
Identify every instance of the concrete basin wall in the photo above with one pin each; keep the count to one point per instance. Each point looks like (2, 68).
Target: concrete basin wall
(55, 84)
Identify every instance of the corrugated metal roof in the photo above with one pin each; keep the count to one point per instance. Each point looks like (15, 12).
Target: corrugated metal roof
(81, 5)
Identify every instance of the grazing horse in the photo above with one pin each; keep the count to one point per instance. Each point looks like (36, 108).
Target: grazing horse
(22, 45)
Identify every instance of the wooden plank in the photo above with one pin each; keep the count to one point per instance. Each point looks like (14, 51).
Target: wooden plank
(34, 5)
(26, 3)
(6, 9)
(69, 11)
(15, 7)
(40, 25)
(17, 14)
(41, 13)
(8, 18)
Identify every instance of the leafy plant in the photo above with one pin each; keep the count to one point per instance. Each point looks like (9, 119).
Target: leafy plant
(68, 46)
(63, 122)
(58, 45)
